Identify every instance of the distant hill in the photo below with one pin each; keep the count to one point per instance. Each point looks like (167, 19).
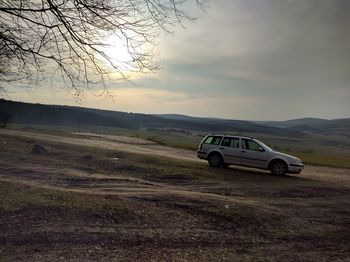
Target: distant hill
(339, 127)
(184, 117)
(293, 122)
(39, 114)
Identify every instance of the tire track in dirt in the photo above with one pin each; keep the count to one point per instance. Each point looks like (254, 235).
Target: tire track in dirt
(74, 180)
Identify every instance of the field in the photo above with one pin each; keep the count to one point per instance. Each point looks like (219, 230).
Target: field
(108, 198)
(313, 149)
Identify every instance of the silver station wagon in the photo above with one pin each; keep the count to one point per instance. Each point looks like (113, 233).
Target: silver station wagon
(225, 150)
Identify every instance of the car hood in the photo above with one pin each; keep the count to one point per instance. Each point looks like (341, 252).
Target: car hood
(287, 156)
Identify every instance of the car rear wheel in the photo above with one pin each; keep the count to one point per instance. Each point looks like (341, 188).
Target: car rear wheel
(215, 160)
(278, 168)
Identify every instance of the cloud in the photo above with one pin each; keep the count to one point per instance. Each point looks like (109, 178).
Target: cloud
(270, 49)
(248, 59)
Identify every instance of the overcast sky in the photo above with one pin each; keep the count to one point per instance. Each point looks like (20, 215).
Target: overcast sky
(242, 59)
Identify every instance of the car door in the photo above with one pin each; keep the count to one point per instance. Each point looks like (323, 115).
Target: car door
(252, 154)
(230, 147)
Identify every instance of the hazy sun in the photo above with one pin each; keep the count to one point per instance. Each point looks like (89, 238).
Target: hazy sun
(118, 53)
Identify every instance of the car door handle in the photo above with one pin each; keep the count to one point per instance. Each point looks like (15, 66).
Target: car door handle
(243, 151)
(222, 148)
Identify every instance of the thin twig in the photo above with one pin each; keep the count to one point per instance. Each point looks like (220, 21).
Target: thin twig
(47, 236)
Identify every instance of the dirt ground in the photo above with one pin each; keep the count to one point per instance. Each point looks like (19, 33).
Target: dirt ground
(103, 198)
(121, 143)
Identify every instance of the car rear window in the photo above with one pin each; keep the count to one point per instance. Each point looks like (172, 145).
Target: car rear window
(213, 140)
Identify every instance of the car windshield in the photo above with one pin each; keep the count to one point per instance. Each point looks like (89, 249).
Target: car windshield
(263, 145)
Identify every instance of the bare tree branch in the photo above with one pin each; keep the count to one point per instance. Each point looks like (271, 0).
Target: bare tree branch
(39, 37)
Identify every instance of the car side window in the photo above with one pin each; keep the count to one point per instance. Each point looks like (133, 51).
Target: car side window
(230, 142)
(226, 141)
(213, 140)
(251, 145)
(235, 142)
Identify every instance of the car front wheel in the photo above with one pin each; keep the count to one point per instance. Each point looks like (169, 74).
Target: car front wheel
(278, 168)
(215, 160)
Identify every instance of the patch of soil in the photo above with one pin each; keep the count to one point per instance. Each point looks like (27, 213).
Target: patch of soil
(179, 179)
(38, 150)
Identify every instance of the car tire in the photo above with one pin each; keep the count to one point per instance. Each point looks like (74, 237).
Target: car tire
(215, 160)
(278, 168)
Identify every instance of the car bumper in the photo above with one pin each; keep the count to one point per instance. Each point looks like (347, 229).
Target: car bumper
(295, 168)
(201, 154)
